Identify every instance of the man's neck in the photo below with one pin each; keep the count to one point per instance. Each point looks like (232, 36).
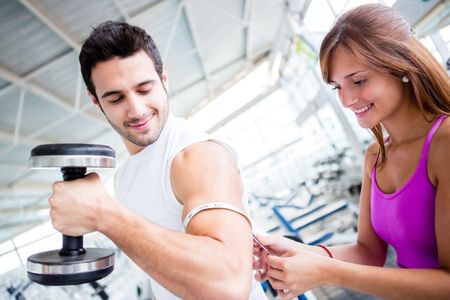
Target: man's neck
(131, 147)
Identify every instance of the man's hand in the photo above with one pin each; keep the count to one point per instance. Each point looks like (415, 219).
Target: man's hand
(76, 205)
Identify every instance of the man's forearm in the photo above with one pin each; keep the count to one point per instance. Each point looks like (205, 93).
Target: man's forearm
(187, 265)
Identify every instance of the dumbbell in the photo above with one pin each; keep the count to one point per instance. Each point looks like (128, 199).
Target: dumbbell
(72, 264)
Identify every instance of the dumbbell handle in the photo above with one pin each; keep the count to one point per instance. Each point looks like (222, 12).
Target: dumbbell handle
(72, 245)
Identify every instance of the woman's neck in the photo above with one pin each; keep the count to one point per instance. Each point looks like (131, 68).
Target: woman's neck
(408, 124)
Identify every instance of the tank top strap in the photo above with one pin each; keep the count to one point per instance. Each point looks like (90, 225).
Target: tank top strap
(374, 166)
(430, 134)
(386, 139)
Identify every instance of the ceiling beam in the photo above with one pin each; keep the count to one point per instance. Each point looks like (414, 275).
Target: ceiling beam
(8, 137)
(48, 127)
(4, 164)
(122, 10)
(234, 18)
(18, 181)
(23, 190)
(52, 23)
(173, 28)
(248, 13)
(144, 11)
(44, 93)
(24, 219)
(197, 45)
(19, 116)
(8, 88)
(16, 212)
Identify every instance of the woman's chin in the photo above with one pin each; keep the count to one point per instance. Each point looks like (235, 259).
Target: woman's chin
(365, 125)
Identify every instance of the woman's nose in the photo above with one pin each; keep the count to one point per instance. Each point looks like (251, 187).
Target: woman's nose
(347, 98)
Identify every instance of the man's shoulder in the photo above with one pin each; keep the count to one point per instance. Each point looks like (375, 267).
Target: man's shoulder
(206, 149)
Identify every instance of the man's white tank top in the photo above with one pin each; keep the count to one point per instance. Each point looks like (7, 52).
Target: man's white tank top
(142, 183)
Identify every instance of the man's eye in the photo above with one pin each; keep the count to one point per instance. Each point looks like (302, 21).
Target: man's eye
(144, 92)
(359, 82)
(115, 100)
(335, 87)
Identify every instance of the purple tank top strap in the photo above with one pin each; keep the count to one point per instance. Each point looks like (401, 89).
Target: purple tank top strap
(430, 134)
(426, 146)
(386, 139)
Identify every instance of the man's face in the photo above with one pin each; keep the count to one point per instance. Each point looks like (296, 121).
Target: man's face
(133, 98)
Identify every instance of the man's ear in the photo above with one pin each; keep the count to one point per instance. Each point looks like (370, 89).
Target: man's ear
(93, 98)
(165, 79)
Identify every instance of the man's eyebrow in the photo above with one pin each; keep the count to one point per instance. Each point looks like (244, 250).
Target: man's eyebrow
(150, 81)
(109, 93)
(114, 92)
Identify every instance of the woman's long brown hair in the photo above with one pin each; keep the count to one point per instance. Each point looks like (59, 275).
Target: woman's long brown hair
(380, 38)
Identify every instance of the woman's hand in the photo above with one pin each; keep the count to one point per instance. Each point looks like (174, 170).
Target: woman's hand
(296, 272)
(277, 246)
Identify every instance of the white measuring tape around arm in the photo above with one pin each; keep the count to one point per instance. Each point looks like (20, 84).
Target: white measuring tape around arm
(213, 205)
(221, 205)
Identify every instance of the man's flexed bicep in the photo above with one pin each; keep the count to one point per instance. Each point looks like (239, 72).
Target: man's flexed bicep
(205, 173)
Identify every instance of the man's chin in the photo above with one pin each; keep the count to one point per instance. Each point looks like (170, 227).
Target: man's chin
(140, 141)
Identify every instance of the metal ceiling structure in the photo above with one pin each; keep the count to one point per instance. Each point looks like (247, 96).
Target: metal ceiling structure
(205, 45)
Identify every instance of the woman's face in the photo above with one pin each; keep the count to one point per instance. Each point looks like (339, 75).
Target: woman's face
(373, 96)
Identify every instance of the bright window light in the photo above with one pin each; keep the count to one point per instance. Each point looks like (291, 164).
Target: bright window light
(6, 247)
(34, 234)
(232, 99)
(9, 261)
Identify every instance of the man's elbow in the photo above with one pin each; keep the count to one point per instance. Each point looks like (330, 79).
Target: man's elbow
(229, 289)
(235, 283)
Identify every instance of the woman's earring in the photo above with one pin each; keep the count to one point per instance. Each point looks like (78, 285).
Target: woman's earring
(405, 79)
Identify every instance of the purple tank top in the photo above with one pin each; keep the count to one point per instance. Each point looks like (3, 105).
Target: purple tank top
(405, 218)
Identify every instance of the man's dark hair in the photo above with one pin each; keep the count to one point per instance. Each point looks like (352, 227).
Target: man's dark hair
(115, 39)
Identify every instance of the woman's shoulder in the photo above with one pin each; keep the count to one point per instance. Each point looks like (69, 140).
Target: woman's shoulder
(439, 148)
(441, 139)
(370, 157)
(372, 149)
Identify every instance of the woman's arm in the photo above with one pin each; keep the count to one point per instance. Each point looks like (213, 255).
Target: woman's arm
(369, 249)
(302, 270)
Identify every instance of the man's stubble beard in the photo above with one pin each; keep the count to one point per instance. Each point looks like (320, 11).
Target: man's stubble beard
(141, 141)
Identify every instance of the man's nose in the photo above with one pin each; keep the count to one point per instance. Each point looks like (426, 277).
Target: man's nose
(136, 107)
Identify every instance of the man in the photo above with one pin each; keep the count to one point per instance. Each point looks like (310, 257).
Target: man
(173, 171)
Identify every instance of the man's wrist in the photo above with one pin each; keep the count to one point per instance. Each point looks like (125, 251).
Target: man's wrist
(106, 214)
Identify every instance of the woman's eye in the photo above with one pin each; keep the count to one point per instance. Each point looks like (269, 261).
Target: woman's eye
(359, 82)
(334, 87)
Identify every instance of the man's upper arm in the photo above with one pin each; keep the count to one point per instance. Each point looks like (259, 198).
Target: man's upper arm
(207, 172)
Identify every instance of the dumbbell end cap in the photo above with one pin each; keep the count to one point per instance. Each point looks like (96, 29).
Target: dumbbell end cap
(51, 268)
(71, 155)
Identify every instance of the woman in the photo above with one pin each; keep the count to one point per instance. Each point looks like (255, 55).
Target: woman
(392, 83)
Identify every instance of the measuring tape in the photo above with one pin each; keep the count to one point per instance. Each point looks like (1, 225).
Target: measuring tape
(213, 205)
